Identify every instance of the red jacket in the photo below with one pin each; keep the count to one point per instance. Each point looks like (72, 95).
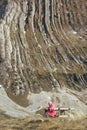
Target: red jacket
(52, 111)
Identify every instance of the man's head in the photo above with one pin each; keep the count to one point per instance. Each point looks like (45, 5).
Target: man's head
(49, 103)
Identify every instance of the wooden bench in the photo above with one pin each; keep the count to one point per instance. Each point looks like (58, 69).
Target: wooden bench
(62, 111)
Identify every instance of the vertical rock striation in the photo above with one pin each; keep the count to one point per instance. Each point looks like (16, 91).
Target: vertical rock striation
(43, 45)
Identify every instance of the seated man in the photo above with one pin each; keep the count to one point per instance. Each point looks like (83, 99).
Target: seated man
(50, 111)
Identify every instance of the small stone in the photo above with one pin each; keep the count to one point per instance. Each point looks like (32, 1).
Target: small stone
(0, 86)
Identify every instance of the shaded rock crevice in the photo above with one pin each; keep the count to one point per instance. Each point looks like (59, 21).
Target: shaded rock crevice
(3, 4)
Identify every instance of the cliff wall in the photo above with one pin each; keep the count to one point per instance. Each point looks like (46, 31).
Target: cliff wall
(43, 45)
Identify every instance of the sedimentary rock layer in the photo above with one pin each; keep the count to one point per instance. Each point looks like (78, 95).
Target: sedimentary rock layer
(43, 44)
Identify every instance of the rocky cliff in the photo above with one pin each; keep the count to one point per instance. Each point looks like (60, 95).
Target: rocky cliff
(43, 45)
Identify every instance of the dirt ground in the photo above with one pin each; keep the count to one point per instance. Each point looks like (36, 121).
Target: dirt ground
(37, 122)
(21, 119)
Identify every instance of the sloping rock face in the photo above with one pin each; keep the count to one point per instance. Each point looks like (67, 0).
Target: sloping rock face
(43, 45)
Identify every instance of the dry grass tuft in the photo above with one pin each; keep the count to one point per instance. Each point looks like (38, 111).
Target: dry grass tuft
(40, 123)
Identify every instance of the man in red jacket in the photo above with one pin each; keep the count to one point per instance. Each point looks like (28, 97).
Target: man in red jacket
(50, 111)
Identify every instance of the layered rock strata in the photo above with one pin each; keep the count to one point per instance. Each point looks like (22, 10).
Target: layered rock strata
(43, 45)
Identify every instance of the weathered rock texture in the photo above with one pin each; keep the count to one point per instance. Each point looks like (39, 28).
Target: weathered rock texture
(43, 45)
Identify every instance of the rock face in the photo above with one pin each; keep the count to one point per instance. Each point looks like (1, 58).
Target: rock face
(43, 45)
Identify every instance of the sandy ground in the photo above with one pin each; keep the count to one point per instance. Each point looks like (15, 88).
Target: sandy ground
(64, 98)
(15, 117)
(10, 107)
